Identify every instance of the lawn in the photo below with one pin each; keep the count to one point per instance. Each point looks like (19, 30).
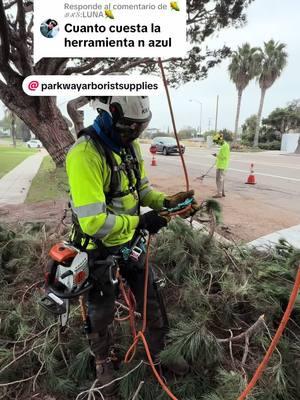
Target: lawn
(10, 157)
(50, 183)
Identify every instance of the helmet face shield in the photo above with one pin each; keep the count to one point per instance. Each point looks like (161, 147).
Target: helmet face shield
(130, 130)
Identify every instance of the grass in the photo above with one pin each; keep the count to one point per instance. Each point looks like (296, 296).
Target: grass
(10, 157)
(50, 183)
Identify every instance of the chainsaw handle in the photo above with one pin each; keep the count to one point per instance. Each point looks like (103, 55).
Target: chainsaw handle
(63, 295)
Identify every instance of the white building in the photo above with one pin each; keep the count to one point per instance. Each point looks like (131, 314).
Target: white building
(289, 142)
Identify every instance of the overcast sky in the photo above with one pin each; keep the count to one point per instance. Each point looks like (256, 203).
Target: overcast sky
(267, 19)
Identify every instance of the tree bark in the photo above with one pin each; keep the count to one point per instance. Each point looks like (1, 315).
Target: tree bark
(237, 118)
(297, 151)
(259, 114)
(52, 131)
(75, 114)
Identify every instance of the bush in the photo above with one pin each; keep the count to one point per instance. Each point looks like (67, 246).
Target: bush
(274, 145)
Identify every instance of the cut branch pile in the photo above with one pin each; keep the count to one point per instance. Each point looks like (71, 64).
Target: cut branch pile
(224, 303)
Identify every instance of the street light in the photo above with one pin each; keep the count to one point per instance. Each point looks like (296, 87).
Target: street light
(199, 102)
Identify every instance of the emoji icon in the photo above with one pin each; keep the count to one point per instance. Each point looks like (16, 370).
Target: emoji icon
(174, 6)
(109, 14)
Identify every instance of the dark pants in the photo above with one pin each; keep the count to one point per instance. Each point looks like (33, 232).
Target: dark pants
(102, 296)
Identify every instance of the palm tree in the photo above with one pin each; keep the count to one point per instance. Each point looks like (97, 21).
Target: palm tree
(274, 59)
(244, 66)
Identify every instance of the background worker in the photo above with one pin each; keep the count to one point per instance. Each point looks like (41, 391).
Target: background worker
(108, 184)
(222, 164)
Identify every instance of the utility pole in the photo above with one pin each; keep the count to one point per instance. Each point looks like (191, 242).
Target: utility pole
(217, 113)
(200, 122)
(209, 123)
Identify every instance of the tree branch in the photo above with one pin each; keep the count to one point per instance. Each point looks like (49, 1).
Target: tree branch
(25, 57)
(82, 68)
(4, 39)
(74, 112)
(10, 4)
(256, 327)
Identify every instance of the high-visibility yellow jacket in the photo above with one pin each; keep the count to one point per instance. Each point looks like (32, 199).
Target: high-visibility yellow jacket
(89, 177)
(223, 156)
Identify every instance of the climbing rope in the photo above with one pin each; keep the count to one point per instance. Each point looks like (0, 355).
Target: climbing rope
(286, 316)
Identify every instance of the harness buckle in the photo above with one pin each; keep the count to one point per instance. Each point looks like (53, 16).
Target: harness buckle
(135, 253)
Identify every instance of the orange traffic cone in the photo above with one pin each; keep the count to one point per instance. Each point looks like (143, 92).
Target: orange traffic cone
(153, 162)
(251, 178)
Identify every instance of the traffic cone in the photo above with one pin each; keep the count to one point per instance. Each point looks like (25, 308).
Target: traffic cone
(153, 162)
(251, 178)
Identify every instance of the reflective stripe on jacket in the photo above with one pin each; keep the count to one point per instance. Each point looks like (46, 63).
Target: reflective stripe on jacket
(223, 156)
(89, 177)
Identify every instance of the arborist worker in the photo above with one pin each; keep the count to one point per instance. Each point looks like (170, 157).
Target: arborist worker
(222, 164)
(108, 184)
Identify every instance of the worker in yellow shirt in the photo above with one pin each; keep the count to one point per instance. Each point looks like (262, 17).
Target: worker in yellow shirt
(222, 164)
(108, 186)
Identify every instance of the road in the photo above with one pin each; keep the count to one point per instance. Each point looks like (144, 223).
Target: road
(250, 210)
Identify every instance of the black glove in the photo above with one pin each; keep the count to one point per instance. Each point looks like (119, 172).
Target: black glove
(152, 222)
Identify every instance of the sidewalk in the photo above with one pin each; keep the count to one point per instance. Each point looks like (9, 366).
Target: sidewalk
(291, 235)
(15, 185)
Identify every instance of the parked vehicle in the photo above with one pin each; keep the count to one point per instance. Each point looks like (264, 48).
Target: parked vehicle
(34, 144)
(167, 145)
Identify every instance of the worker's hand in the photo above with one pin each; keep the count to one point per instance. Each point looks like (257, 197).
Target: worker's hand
(191, 211)
(153, 222)
(173, 201)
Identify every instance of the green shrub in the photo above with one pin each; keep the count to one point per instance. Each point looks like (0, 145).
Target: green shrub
(274, 145)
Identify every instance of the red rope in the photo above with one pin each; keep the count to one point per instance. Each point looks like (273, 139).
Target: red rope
(173, 123)
(258, 373)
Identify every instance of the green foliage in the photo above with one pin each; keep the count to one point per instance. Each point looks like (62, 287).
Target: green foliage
(249, 128)
(274, 145)
(209, 133)
(283, 119)
(227, 135)
(274, 59)
(244, 66)
(187, 133)
(229, 384)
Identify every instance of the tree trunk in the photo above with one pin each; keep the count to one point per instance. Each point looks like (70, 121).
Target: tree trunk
(237, 118)
(259, 114)
(52, 131)
(297, 151)
(44, 119)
